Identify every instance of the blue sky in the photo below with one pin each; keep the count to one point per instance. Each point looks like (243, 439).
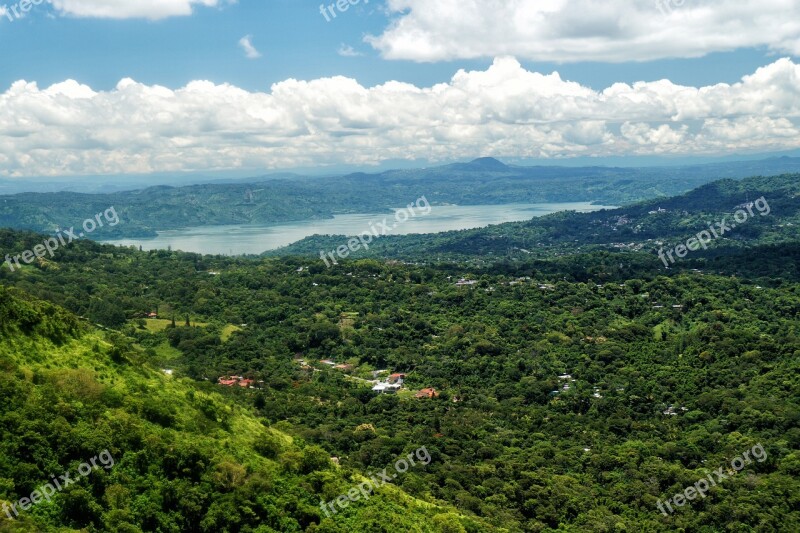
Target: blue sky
(501, 45)
(296, 42)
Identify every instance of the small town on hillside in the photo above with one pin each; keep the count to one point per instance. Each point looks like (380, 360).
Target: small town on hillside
(392, 384)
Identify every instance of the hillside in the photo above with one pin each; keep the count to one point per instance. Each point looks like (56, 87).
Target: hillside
(283, 199)
(645, 226)
(573, 395)
(176, 455)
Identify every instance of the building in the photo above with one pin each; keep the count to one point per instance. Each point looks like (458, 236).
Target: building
(427, 393)
(396, 378)
(234, 381)
(387, 388)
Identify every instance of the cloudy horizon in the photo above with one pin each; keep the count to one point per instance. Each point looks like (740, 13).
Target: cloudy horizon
(392, 81)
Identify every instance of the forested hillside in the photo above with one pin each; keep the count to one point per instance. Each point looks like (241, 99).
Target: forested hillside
(270, 201)
(571, 394)
(177, 455)
(646, 226)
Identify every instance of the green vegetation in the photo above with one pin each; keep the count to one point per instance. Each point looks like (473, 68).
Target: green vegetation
(638, 227)
(576, 388)
(186, 458)
(484, 181)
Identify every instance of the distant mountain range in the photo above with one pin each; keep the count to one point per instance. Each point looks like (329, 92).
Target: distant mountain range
(285, 197)
(645, 226)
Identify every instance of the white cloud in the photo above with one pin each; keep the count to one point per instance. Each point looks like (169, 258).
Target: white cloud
(249, 50)
(504, 111)
(345, 50)
(585, 30)
(124, 9)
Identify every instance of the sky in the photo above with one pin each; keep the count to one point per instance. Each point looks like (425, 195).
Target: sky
(121, 87)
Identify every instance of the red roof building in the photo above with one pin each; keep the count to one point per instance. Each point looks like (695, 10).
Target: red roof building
(233, 381)
(396, 377)
(427, 393)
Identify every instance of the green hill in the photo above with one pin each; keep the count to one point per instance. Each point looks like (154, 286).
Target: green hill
(645, 226)
(269, 201)
(183, 457)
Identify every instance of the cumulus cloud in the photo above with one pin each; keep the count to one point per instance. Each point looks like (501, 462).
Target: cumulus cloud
(585, 30)
(125, 9)
(504, 111)
(249, 50)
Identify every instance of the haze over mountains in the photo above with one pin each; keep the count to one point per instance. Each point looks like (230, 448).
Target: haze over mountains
(286, 198)
(731, 168)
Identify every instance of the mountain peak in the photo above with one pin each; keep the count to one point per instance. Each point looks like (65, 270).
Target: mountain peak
(488, 163)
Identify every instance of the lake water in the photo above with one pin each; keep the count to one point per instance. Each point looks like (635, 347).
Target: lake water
(255, 239)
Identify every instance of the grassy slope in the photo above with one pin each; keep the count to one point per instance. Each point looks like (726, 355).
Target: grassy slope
(70, 392)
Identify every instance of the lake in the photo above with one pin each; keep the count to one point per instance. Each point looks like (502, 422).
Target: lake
(255, 239)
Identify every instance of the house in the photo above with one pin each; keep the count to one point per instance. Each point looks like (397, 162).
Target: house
(465, 282)
(328, 362)
(345, 368)
(387, 388)
(233, 381)
(427, 393)
(396, 378)
(152, 315)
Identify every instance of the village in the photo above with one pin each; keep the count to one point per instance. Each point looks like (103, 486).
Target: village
(390, 383)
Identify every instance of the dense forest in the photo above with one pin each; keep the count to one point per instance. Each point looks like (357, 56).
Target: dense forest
(284, 199)
(574, 391)
(183, 457)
